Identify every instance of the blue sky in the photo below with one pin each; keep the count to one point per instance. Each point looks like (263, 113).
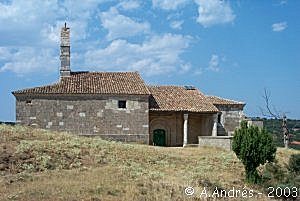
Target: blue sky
(232, 49)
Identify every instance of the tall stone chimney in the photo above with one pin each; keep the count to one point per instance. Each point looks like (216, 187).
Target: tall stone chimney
(65, 69)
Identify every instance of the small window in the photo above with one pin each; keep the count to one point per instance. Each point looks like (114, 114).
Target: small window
(122, 104)
(28, 102)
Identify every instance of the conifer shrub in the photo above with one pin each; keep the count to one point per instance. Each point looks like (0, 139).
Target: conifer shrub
(254, 147)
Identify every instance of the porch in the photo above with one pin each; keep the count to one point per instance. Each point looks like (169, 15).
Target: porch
(187, 129)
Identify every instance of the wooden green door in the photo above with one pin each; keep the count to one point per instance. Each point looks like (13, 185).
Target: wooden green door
(159, 137)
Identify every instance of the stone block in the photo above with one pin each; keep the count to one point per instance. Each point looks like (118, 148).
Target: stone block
(82, 114)
(70, 107)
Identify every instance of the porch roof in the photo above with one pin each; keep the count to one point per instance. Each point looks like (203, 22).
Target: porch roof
(177, 98)
(223, 101)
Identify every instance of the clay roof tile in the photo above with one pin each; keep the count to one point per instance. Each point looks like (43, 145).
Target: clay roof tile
(94, 83)
(223, 101)
(177, 98)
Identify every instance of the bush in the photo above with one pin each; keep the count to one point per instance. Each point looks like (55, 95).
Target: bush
(254, 147)
(283, 179)
(273, 174)
(294, 163)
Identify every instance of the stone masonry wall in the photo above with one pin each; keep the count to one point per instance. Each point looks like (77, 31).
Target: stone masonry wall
(199, 125)
(88, 115)
(223, 142)
(231, 117)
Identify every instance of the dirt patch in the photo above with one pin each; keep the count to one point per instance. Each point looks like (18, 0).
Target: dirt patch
(9, 159)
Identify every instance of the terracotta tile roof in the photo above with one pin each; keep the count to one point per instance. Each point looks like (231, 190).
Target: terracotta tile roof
(176, 98)
(222, 101)
(94, 83)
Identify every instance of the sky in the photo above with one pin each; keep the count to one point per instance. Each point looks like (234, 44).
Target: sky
(229, 48)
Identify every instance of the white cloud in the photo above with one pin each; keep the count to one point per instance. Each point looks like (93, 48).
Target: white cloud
(213, 12)
(159, 54)
(30, 38)
(119, 26)
(277, 27)
(50, 33)
(176, 24)
(24, 60)
(198, 71)
(23, 20)
(168, 4)
(30, 32)
(214, 63)
(77, 14)
(23, 13)
(283, 2)
(128, 5)
(185, 68)
(4, 53)
(38, 21)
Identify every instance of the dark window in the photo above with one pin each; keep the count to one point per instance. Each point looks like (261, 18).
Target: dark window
(28, 102)
(122, 104)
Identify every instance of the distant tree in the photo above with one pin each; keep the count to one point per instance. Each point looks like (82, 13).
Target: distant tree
(273, 113)
(254, 147)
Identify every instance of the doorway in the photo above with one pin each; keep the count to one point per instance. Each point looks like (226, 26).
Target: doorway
(159, 137)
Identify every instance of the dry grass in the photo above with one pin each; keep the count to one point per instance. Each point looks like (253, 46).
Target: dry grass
(42, 165)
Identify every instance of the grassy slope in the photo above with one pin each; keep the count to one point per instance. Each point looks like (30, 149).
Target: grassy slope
(43, 165)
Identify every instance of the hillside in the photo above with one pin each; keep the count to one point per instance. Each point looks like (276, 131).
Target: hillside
(42, 165)
(274, 126)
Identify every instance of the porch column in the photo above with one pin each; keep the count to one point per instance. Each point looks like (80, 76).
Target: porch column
(185, 129)
(215, 127)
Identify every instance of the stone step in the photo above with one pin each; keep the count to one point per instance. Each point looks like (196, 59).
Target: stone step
(192, 145)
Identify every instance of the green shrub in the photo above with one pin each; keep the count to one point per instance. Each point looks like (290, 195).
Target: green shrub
(286, 180)
(294, 163)
(254, 147)
(273, 173)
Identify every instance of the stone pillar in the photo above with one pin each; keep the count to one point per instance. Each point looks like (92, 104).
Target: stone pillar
(185, 129)
(215, 127)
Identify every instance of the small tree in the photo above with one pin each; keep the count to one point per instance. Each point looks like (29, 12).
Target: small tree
(253, 146)
(268, 112)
